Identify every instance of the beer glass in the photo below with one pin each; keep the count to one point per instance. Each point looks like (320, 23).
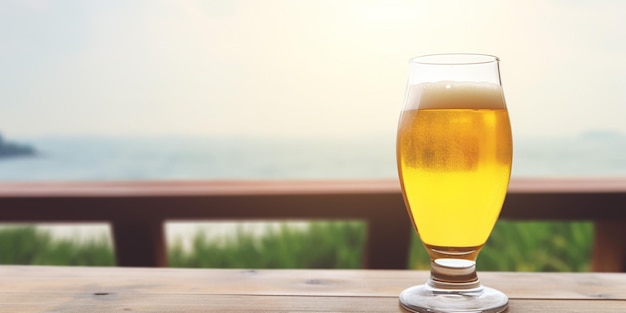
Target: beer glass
(454, 154)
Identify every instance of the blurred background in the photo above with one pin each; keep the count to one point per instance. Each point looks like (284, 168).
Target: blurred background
(196, 90)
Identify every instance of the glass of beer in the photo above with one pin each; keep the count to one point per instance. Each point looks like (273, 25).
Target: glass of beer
(454, 154)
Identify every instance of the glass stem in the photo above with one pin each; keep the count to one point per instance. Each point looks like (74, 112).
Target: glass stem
(453, 274)
(453, 268)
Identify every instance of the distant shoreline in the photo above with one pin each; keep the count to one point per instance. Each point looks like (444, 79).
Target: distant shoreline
(10, 149)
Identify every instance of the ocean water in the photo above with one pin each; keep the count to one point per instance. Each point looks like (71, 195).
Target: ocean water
(133, 158)
(163, 158)
(593, 154)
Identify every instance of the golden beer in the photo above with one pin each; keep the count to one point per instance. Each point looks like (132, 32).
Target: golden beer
(454, 159)
(454, 154)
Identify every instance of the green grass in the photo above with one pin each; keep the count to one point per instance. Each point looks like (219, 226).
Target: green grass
(513, 246)
(528, 247)
(28, 245)
(538, 247)
(323, 245)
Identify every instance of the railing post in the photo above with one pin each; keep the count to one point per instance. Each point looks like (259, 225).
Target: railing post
(139, 242)
(609, 246)
(388, 239)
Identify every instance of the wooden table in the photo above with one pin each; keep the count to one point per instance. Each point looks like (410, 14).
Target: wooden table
(115, 289)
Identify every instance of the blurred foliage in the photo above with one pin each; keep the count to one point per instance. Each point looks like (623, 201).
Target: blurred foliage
(513, 246)
(538, 247)
(27, 245)
(528, 247)
(321, 245)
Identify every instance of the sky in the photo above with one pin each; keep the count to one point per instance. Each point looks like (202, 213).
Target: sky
(296, 68)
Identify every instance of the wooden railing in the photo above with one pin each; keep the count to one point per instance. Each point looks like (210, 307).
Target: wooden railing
(138, 210)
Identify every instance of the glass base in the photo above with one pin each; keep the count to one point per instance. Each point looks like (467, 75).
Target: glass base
(424, 298)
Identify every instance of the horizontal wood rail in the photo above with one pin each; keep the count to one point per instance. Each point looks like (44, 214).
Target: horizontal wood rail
(137, 210)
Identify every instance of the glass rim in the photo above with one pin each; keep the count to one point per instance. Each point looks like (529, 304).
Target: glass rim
(454, 59)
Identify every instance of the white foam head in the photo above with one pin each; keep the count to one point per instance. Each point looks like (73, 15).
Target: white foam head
(454, 95)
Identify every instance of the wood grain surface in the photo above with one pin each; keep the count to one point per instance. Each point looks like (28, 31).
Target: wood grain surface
(116, 289)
